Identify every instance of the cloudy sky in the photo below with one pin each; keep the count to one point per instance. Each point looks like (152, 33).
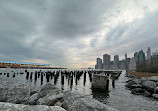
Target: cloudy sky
(73, 33)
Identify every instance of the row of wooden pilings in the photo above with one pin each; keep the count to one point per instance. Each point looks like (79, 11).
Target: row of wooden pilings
(99, 78)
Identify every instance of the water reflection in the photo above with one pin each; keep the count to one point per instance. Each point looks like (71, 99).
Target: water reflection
(100, 94)
(113, 81)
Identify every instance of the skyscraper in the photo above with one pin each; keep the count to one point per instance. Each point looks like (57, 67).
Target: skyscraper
(139, 57)
(99, 63)
(116, 62)
(148, 54)
(106, 61)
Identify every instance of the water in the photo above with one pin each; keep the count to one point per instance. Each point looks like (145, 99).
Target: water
(118, 97)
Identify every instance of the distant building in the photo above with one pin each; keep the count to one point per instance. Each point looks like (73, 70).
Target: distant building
(116, 62)
(125, 56)
(122, 64)
(139, 57)
(99, 64)
(111, 65)
(126, 65)
(148, 54)
(106, 61)
(155, 58)
(136, 57)
(132, 64)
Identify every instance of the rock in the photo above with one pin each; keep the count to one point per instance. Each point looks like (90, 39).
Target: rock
(130, 83)
(143, 79)
(33, 99)
(138, 91)
(136, 86)
(14, 93)
(149, 85)
(146, 93)
(47, 89)
(153, 78)
(155, 96)
(50, 99)
(137, 81)
(33, 92)
(21, 107)
(78, 102)
(156, 90)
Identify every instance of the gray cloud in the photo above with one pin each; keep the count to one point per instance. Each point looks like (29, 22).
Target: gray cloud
(70, 33)
(133, 36)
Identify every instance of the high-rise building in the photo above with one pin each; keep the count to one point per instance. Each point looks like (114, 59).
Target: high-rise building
(139, 57)
(148, 54)
(99, 63)
(155, 58)
(126, 65)
(106, 61)
(125, 56)
(132, 64)
(116, 62)
(122, 64)
(136, 57)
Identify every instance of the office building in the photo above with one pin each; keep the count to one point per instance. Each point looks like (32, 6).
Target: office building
(99, 63)
(116, 62)
(106, 61)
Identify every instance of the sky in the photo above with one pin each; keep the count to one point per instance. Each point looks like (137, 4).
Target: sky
(73, 33)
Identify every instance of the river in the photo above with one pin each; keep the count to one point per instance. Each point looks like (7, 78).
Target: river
(118, 97)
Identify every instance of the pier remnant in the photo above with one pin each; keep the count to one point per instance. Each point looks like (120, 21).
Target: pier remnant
(100, 82)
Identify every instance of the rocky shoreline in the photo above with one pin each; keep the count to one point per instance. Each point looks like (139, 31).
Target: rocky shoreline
(146, 86)
(49, 98)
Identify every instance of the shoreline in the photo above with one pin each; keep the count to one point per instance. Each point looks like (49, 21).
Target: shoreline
(146, 85)
(143, 74)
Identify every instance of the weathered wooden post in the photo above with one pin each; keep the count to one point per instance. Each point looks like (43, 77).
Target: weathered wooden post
(27, 75)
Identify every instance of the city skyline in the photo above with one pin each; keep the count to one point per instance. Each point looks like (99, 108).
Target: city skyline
(128, 63)
(74, 33)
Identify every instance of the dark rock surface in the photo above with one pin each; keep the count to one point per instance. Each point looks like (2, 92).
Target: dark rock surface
(14, 93)
(155, 96)
(143, 86)
(78, 102)
(138, 91)
(153, 78)
(156, 90)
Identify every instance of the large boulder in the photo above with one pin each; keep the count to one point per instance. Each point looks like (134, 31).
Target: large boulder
(130, 83)
(14, 93)
(153, 78)
(143, 79)
(33, 99)
(21, 107)
(48, 89)
(50, 99)
(135, 86)
(137, 81)
(78, 102)
(138, 91)
(149, 85)
(155, 96)
(156, 90)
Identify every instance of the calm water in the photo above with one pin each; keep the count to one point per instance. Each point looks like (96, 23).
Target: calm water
(118, 97)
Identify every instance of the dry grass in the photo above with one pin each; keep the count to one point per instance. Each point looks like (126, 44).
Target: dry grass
(143, 74)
